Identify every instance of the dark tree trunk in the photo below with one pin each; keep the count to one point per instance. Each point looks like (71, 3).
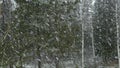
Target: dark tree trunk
(39, 61)
(57, 64)
(21, 62)
(10, 66)
(39, 64)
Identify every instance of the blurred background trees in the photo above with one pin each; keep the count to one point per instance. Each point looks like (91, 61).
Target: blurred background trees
(39, 32)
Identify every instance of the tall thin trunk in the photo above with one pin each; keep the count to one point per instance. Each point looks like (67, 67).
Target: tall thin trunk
(83, 45)
(117, 25)
(21, 62)
(82, 6)
(39, 58)
(93, 47)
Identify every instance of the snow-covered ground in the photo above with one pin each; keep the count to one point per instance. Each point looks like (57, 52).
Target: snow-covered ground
(64, 64)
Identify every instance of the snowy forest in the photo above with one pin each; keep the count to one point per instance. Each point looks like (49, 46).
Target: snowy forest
(59, 33)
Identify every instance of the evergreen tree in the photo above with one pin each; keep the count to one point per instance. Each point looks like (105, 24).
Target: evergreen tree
(47, 27)
(105, 29)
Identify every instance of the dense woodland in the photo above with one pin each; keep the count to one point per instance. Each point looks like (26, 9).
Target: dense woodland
(59, 33)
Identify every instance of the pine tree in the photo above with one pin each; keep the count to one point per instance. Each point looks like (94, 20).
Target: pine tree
(105, 29)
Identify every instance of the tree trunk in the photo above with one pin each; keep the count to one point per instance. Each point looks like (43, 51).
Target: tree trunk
(83, 45)
(57, 64)
(93, 47)
(82, 6)
(21, 62)
(118, 41)
(39, 58)
(39, 64)
(10, 66)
